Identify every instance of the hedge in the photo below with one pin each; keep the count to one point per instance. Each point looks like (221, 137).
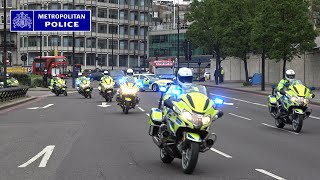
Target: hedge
(27, 80)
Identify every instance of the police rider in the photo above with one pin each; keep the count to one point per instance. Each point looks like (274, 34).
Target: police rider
(106, 79)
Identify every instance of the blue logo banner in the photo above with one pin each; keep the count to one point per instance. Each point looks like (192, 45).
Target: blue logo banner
(50, 20)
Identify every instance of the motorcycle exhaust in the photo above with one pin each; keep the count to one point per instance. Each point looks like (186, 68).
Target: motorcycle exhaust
(157, 141)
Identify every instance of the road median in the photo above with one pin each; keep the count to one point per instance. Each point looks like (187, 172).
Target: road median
(15, 102)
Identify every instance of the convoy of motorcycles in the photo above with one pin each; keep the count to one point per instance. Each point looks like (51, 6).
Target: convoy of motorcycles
(181, 127)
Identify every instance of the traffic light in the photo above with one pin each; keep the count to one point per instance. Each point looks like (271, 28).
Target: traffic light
(187, 46)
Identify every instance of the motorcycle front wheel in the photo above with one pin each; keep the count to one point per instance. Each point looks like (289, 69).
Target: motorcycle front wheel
(297, 123)
(165, 157)
(279, 123)
(65, 93)
(190, 157)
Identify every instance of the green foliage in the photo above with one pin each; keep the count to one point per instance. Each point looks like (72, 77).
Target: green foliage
(24, 79)
(36, 82)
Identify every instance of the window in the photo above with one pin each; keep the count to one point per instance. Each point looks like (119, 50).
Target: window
(25, 41)
(102, 59)
(90, 59)
(93, 27)
(141, 2)
(102, 13)
(9, 3)
(54, 41)
(132, 45)
(54, 6)
(142, 77)
(67, 41)
(132, 2)
(123, 15)
(133, 61)
(133, 31)
(67, 6)
(45, 40)
(124, 2)
(21, 41)
(2, 19)
(141, 46)
(113, 1)
(79, 42)
(34, 6)
(102, 43)
(93, 10)
(123, 61)
(115, 44)
(123, 44)
(113, 29)
(113, 14)
(91, 43)
(113, 62)
(2, 3)
(103, 28)
(103, 1)
(133, 16)
(80, 7)
(142, 17)
(123, 30)
(142, 31)
(33, 41)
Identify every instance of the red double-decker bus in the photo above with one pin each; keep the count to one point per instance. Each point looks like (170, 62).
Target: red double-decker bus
(53, 64)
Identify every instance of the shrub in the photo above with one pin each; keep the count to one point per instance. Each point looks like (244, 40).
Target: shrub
(247, 84)
(36, 82)
(24, 79)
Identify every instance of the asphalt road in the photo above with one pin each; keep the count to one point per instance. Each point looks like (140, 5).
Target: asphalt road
(83, 141)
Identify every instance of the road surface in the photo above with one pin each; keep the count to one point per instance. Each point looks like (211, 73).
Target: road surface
(77, 139)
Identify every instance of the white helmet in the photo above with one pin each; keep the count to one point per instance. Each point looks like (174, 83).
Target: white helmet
(130, 72)
(106, 73)
(290, 75)
(185, 77)
(80, 74)
(54, 75)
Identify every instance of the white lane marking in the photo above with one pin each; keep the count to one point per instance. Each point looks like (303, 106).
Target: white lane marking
(33, 108)
(279, 128)
(141, 109)
(314, 117)
(47, 151)
(221, 153)
(240, 116)
(240, 100)
(44, 107)
(270, 174)
(104, 104)
(230, 104)
(147, 114)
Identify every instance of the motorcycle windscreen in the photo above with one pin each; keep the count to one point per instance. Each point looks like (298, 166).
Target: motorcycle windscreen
(198, 102)
(299, 90)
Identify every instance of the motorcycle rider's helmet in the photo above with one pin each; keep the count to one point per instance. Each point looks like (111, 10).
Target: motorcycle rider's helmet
(7, 75)
(290, 75)
(106, 73)
(185, 77)
(79, 74)
(129, 72)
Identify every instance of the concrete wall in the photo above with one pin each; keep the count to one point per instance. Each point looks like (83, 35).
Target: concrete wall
(307, 68)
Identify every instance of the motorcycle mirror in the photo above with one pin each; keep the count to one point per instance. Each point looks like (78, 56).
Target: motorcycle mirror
(313, 96)
(312, 88)
(168, 104)
(273, 86)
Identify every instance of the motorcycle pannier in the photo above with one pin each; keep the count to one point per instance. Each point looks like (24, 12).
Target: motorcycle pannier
(155, 121)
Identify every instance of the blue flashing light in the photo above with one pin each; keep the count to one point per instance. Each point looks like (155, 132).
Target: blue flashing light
(218, 101)
(163, 89)
(139, 84)
(176, 92)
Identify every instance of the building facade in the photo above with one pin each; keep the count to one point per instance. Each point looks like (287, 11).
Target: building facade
(118, 34)
(12, 38)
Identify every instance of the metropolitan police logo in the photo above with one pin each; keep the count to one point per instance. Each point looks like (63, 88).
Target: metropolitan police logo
(22, 20)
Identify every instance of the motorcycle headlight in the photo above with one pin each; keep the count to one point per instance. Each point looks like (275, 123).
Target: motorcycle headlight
(294, 99)
(206, 120)
(306, 101)
(187, 115)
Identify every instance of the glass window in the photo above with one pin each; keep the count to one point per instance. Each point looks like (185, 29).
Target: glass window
(123, 44)
(124, 15)
(102, 13)
(45, 40)
(141, 16)
(123, 61)
(25, 41)
(124, 2)
(67, 41)
(133, 16)
(102, 28)
(103, 1)
(54, 6)
(133, 62)
(67, 6)
(102, 43)
(21, 41)
(54, 41)
(113, 14)
(91, 42)
(132, 31)
(9, 3)
(113, 62)
(141, 46)
(123, 30)
(142, 33)
(141, 2)
(113, 1)
(93, 10)
(79, 42)
(93, 27)
(113, 29)
(80, 7)
(132, 45)
(90, 59)
(113, 43)
(33, 41)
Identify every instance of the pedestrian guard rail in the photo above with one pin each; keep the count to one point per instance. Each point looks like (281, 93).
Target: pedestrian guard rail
(13, 93)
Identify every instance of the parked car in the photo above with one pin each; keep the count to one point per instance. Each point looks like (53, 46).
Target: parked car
(151, 81)
(96, 75)
(116, 75)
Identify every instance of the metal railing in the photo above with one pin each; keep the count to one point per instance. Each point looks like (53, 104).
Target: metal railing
(12, 93)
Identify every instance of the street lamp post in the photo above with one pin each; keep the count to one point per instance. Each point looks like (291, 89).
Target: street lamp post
(5, 45)
(178, 26)
(112, 47)
(73, 59)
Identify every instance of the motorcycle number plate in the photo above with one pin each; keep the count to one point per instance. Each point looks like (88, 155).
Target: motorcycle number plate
(128, 99)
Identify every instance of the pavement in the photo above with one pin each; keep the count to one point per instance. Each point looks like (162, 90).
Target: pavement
(255, 89)
(73, 138)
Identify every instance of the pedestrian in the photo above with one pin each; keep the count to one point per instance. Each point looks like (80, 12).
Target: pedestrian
(221, 75)
(45, 79)
(216, 76)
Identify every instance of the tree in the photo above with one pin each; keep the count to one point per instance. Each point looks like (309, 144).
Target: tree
(207, 28)
(237, 39)
(293, 33)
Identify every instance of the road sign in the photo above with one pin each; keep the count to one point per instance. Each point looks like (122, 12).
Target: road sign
(50, 20)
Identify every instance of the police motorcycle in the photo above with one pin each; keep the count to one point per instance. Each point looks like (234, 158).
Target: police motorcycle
(181, 127)
(107, 91)
(127, 98)
(293, 108)
(85, 89)
(59, 87)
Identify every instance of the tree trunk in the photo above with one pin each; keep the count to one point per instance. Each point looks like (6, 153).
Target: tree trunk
(217, 58)
(263, 58)
(245, 63)
(284, 68)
